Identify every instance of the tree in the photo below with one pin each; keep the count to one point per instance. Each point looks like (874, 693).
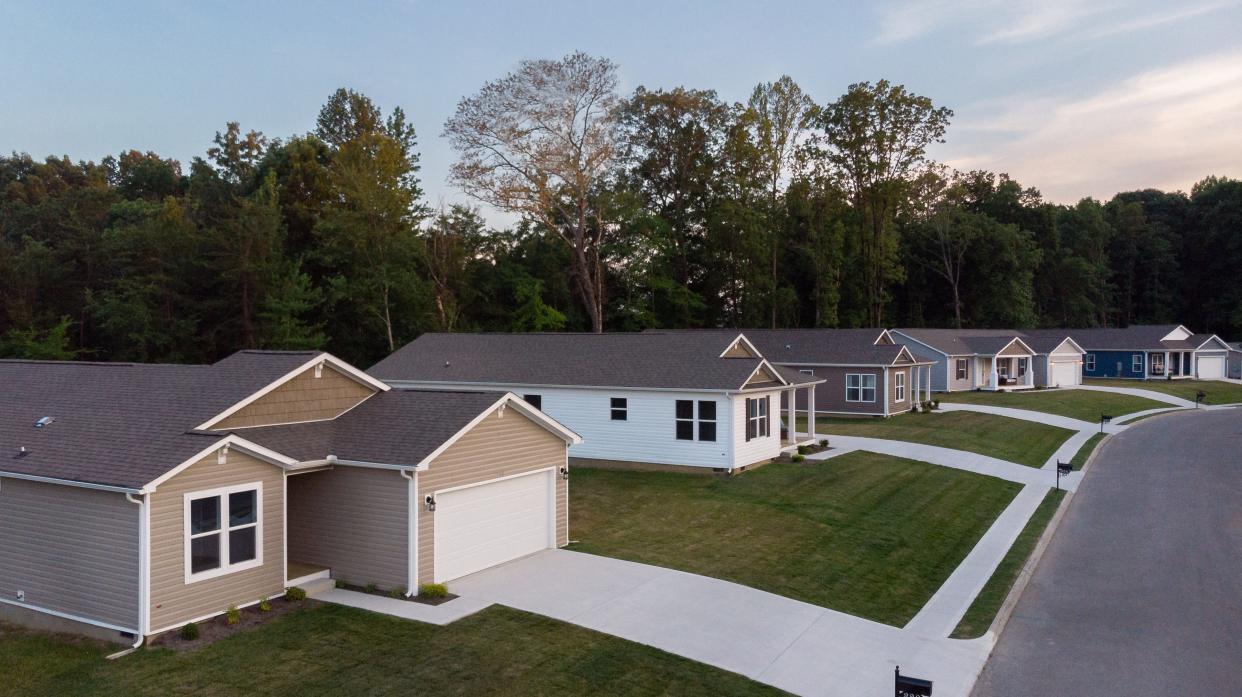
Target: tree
(948, 232)
(539, 142)
(873, 141)
(51, 344)
(449, 243)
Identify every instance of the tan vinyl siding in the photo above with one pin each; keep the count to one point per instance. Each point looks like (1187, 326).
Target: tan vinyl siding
(173, 602)
(353, 521)
(762, 375)
(71, 549)
(303, 398)
(1014, 349)
(895, 407)
(968, 383)
(498, 446)
(739, 350)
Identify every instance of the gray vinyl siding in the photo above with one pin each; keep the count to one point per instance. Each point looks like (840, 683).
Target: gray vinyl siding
(1040, 363)
(352, 520)
(830, 395)
(72, 550)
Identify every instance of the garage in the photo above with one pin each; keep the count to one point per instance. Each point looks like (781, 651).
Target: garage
(1065, 373)
(1211, 367)
(485, 524)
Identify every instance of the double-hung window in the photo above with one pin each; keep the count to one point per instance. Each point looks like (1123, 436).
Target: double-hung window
(1022, 366)
(223, 531)
(686, 422)
(757, 411)
(899, 386)
(962, 368)
(860, 387)
(1088, 362)
(619, 408)
(1136, 363)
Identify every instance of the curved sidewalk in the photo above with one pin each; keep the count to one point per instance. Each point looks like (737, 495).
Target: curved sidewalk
(1137, 392)
(1025, 414)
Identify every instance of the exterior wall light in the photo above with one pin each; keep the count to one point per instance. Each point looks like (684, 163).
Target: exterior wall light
(429, 503)
(564, 473)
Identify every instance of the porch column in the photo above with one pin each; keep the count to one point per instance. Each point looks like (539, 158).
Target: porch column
(993, 379)
(914, 387)
(1166, 364)
(791, 417)
(810, 411)
(1029, 378)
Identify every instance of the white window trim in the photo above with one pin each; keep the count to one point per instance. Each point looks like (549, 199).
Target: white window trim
(625, 410)
(899, 386)
(860, 387)
(961, 365)
(1137, 364)
(225, 568)
(1024, 365)
(806, 371)
(1088, 362)
(699, 421)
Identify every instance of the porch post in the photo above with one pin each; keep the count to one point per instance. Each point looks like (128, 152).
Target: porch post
(992, 376)
(927, 384)
(810, 412)
(1166, 364)
(791, 417)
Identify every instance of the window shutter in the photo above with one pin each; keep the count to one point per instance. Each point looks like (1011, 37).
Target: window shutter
(750, 422)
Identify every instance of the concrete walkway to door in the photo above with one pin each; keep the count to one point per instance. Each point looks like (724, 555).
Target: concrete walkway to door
(802, 648)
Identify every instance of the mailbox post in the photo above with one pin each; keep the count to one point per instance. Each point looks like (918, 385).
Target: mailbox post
(1200, 395)
(906, 686)
(1063, 470)
(1104, 418)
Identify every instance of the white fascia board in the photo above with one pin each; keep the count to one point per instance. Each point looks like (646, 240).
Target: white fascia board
(233, 441)
(741, 337)
(518, 404)
(523, 386)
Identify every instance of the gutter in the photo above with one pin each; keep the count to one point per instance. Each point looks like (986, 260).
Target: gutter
(144, 571)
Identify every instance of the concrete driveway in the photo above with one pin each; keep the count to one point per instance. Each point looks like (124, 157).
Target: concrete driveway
(802, 648)
(1140, 589)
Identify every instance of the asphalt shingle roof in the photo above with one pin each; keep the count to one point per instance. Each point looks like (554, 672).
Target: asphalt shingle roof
(985, 342)
(121, 424)
(676, 360)
(824, 346)
(1138, 337)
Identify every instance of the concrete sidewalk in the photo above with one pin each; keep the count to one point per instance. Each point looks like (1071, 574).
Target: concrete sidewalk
(1024, 414)
(445, 613)
(1138, 392)
(796, 646)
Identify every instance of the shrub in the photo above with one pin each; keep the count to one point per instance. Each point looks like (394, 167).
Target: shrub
(264, 606)
(398, 592)
(799, 457)
(340, 583)
(232, 615)
(433, 590)
(189, 632)
(935, 404)
(370, 588)
(823, 442)
(803, 449)
(295, 593)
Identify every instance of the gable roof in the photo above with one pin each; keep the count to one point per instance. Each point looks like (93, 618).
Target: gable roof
(121, 424)
(647, 360)
(1136, 337)
(1046, 340)
(825, 346)
(964, 342)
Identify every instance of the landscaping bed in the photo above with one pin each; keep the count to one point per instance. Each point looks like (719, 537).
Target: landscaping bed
(1217, 392)
(863, 533)
(332, 650)
(212, 630)
(1086, 405)
(1016, 440)
(428, 594)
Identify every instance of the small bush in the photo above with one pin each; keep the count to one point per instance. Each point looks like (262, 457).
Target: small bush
(398, 592)
(295, 593)
(935, 404)
(370, 588)
(264, 606)
(823, 442)
(803, 449)
(232, 615)
(340, 583)
(189, 632)
(799, 457)
(433, 590)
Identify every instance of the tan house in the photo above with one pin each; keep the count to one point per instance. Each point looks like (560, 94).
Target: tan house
(137, 498)
(972, 359)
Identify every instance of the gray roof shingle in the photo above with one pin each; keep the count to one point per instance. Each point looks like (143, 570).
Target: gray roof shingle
(958, 342)
(1137, 337)
(824, 346)
(670, 360)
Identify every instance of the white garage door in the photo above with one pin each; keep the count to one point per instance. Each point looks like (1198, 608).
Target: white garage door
(1211, 366)
(1065, 374)
(487, 524)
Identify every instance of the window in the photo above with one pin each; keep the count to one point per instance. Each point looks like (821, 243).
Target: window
(1002, 367)
(860, 387)
(757, 422)
(223, 531)
(685, 419)
(707, 420)
(899, 386)
(1089, 362)
(806, 371)
(1022, 366)
(619, 406)
(1157, 363)
(1136, 363)
(961, 369)
(534, 400)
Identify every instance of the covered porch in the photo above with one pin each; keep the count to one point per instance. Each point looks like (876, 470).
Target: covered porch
(790, 437)
(1006, 372)
(1170, 364)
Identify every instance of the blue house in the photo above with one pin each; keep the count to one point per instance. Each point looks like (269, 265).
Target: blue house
(1151, 352)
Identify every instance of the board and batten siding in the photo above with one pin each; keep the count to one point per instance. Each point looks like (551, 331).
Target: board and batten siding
(503, 444)
(173, 601)
(759, 449)
(352, 520)
(303, 398)
(70, 549)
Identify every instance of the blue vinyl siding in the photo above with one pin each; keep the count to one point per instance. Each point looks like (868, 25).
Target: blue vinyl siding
(1106, 364)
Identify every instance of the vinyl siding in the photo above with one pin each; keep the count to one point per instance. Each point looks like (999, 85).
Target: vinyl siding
(758, 449)
(895, 407)
(353, 520)
(502, 444)
(303, 398)
(972, 372)
(173, 602)
(71, 549)
(830, 396)
(1014, 350)
(1106, 365)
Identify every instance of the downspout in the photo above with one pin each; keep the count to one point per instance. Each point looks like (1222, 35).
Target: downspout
(144, 571)
(411, 551)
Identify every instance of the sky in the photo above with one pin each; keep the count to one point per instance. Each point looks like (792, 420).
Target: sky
(1074, 98)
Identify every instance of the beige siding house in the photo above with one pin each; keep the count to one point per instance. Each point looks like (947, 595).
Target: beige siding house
(143, 497)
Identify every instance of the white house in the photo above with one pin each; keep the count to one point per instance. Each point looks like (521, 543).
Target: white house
(676, 399)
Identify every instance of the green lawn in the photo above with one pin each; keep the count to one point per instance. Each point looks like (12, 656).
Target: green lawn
(862, 533)
(1076, 404)
(1080, 457)
(1217, 392)
(983, 610)
(1024, 442)
(335, 650)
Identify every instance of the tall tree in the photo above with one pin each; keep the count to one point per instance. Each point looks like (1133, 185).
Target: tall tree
(539, 142)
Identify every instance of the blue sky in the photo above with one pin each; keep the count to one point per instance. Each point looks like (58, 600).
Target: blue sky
(1074, 98)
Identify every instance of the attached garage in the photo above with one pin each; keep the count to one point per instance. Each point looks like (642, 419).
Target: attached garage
(1065, 373)
(486, 524)
(1211, 367)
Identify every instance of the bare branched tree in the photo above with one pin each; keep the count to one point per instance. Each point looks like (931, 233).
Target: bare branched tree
(537, 143)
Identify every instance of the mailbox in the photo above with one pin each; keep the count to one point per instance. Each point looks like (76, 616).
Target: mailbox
(1104, 418)
(906, 686)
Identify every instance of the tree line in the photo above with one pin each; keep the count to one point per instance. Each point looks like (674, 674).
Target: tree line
(660, 208)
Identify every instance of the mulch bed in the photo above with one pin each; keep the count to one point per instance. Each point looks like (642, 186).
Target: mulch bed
(810, 450)
(413, 598)
(217, 628)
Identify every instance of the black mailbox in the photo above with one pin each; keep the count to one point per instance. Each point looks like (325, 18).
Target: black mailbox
(1064, 468)
(1104, 418)
(906, 686)
(1200, 395)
